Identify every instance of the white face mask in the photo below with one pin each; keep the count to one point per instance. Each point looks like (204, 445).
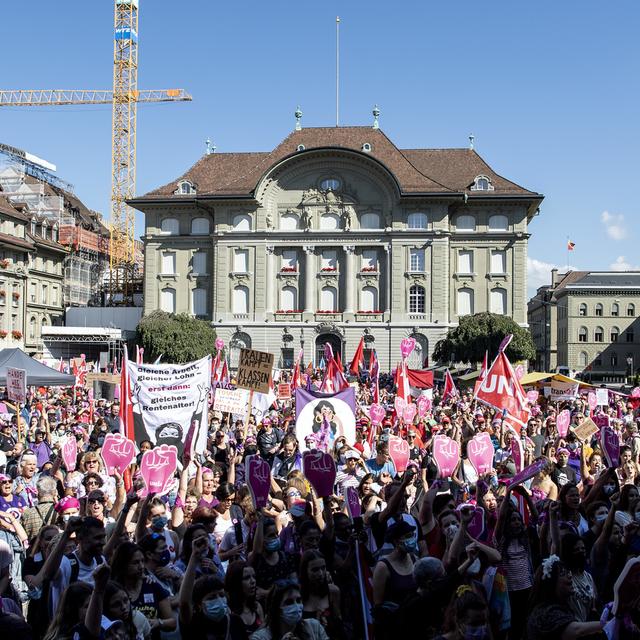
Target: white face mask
(451, 530)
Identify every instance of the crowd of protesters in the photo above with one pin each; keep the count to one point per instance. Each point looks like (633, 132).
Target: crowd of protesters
(80, 557)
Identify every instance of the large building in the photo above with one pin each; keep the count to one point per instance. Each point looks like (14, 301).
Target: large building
(333, 234)
(587, 321)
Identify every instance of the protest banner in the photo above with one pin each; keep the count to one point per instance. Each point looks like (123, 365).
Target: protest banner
(326, 417)
(284, 391)
(586, 429)
(231, 401)
(320, 471)
(561, 391)
(169, 403)
(254, 370)
(16, 384)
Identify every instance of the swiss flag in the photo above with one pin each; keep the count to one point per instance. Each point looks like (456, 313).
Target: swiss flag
(450, 390)
(402, 382)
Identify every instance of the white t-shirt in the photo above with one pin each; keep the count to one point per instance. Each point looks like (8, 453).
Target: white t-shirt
(63, 577)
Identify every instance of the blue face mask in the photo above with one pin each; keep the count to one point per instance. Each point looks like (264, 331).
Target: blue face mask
(215, 609)
(272, 545)
(292, 614)
(159, 522)
(476, 633)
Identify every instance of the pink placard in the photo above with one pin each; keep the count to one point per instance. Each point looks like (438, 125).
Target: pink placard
(446, 453)
(118, 452)
(69, 452)
(353, 502)
(320, 471)
(377, 413)
(517, 453)
(407, 346)
(399, 405)
(562, 422)
(601, 420)
(409, 413)
(157, 468)
(480, 452)
(399, 453)
(528, 472)
(592, 400)
(424, 405)
(519, 371)
(532, 396)
(259, 480)
(219, 344)
(610, 443)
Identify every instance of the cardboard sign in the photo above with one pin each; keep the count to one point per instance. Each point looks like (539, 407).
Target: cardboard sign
(284, 391)
(399, 453)
(230, 401)
(69, 452)
(320, 471)
(610, 445)
(480, 452)
(254, 370)
(562, 422)
(17, 384)
(111, 378)
(353, 502)
(259, 480)
(446, 453)
(117, 452)
(377, 414)
(157, 468)
(586, 429)
(602, 397)
(528, 472)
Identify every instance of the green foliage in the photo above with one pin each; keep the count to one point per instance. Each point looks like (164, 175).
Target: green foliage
(484, 332)
(178, 338)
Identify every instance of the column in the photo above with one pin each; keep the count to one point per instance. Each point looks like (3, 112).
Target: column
(270, 292)
(349, 278)
(387, 279)
(309, 280)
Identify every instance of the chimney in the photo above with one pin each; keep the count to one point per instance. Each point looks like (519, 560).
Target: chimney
(554, 277)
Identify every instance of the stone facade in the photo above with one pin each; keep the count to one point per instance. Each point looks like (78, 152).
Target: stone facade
(334, 234)
(594, 328)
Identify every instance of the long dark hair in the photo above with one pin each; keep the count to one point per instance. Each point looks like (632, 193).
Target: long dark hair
(67, 615)
(122, 559)
(308, 557)
(544, 589)
(463, 600)
(110, 590)
(274, 608)
(187, 540)
(233, 586)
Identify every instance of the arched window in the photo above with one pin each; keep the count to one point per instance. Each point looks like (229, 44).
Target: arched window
(242, 222)
(329, 221)
(370, 221)
(289, 222)
(498, 223)
(583, 335)
(583, 361)
(615, 309)
(582, 310)
(241, 300)
(615, 334)
(598, 334)
(185, 188)
(32, 327)
(199, 302)
(465, 301)
(419, 358)
(170, 227)
(417, 220)
(200, 226)
(329, 299)
(369, 299)
(239, 341)
(499, 301)
(289, 299)
(168, 300)
(465, 223)
(482, 183)
(631, 310)
(416, 299)
(599, 309)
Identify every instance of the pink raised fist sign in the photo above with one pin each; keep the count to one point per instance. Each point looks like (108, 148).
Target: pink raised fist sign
(519, 371)
(446, 453)
(593, 401)
(480, 452)
(399, 453)
(320, 471)
(562, 422)
(407, 346)
(409, 413)
(118, 452)
(517, 453)
(219, 344)
(157, 468)
(424, 405)
(610, 445)
(353, 502)
(532, 396)
(377, 413)
(69, 453)
(399, 405)
(259, 480)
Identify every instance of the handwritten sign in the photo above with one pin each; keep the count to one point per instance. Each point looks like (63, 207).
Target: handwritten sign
(586, 429)
(17, 384)
(602, 397)
(254, 370)
(284, 391)
(230, 401)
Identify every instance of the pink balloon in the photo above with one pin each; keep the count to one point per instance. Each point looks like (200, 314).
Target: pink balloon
(157, 468)
(118, 452)
(399, 405)
(480, 452)
(320, 471)
(377, 413)
(399, 452)
(70, 453)
(353, 502)
(259, 480)
(562, 422)
(409, 413)
(424, 405)
(446, 453)
(407, 346)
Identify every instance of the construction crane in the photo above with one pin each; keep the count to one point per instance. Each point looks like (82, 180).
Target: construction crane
(124, 99)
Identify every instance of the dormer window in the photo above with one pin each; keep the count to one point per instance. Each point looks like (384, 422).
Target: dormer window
(33, 226)
(185, 188)
(300, 147)
(44, 229)
(366, 147)
(482, 183)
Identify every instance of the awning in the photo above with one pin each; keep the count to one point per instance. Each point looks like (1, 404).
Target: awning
(538, 376)
(469, 377)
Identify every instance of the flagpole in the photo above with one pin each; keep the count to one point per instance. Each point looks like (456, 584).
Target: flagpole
(337, 69)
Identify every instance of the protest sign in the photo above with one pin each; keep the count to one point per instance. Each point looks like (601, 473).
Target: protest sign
(409, 413)
(446, 453)
(586, 429)
(284, 391)
(230, 401)
(111, 378)
(528, 472)
(424, 405)
(69, 451)
(602, 397)
(399, 453)
(16, 384)
(376, 413)
(157, 469)
(593, 400)
(353, 502)
(562, 422)
(610, 443)
(517, 452)
(254, 370)
(117, 452)
(480, 452)
(259, 480)
(563, 390)
(170, 403)
(475, 528)
(320, 471)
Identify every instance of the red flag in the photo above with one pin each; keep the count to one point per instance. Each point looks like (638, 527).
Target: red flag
(215, 364)
(224, 373)
(450, 390)
(502, 390)
(339, 362)
(334, 379)
(126, 406)
(402, 382)
(139, 355)
(483, 374)
(61, 366)
(374, 375)
(358, 359)
(295, 378)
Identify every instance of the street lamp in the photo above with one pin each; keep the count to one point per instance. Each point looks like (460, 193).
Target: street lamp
(629, 367)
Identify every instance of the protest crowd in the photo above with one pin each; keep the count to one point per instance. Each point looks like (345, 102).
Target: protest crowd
(487, 513)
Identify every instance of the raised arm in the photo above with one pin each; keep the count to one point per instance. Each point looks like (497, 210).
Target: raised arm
(200, 546)
(93, 616)
(141, 526)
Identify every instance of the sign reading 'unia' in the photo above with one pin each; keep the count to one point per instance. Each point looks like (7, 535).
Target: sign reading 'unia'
(254, 370)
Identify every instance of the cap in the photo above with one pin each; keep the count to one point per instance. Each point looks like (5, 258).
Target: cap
(351, 455)
(68, 502)
(5, 478)
(563, 450)
(397, 530)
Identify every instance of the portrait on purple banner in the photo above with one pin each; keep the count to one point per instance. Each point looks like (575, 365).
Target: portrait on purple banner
(322, 417)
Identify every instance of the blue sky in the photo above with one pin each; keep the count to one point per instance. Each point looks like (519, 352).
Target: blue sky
(549, 89)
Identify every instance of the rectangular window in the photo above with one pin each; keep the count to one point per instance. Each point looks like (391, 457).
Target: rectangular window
(286, 358)
(32, 292)
(199, 302)
(465, 262)
(416, 260)
(465, 302)
(369, 260)
(54, 296)
(168, 263)
(45, 294)
(200, 262)
(14, 322)
(241, 261)
(329, 259)
(289, 260)
(498, 262)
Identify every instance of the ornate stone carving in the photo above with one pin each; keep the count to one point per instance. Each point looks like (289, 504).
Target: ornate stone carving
(270, 249)
(329, 327)
(349, 249)
(309, 250)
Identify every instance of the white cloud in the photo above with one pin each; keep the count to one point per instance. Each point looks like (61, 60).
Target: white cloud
(539, 273)
(622, 265)
(614, 225)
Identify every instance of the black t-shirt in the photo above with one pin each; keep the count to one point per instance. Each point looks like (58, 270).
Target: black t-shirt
(7, 443)
(563, 475)
(152, 593)
(267, 574)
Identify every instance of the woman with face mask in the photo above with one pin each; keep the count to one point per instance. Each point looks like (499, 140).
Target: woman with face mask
(284, 616)
(154, 518)
(467, 617)
(157, 561)
(573, 554)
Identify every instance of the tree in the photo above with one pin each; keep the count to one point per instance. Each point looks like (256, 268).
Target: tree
(484, 332)
(177, 338)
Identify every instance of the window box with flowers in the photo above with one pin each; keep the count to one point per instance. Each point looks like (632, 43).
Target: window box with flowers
(328, 269)
(371, 269)
(322, 314)
(4, 263)
(3, 333)
(289, 270)
(16, 334)
(368, 316)
(288, 314)
(16, 295)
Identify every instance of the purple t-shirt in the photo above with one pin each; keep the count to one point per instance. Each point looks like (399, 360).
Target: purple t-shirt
(43, 452)
(15, 506)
